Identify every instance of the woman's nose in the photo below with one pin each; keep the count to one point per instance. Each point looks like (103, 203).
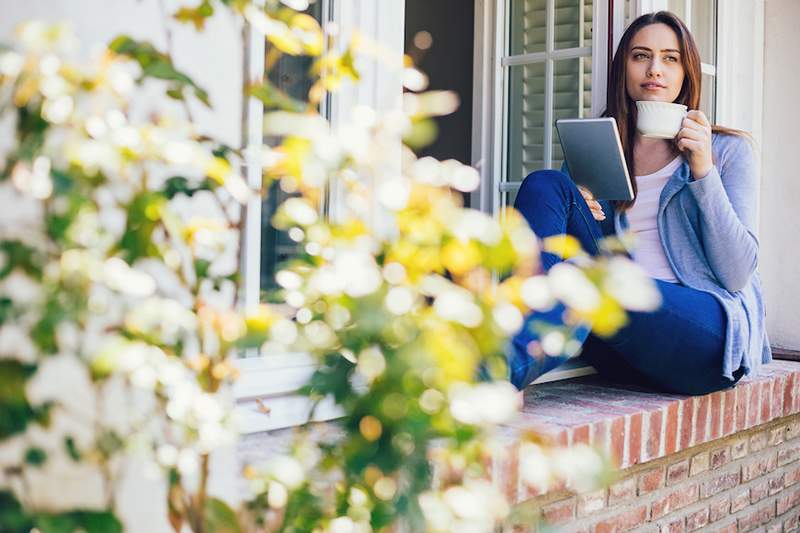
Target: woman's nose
(654, 69)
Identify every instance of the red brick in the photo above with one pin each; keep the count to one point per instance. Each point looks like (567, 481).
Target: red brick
(741, 406)
(653, 437)
(716, 416)
(618, 440)
(701, 420)
(678, 472)
(793, 523)
(651, 480)
(730, 528)
(697, 520)
(758, 442)
(739, 448)
(591, 502)
(757, 517)
(776, 484)
(758, 467)
(766, 401)
(559, 512)
(791, 476)
(580, 435)
(729, 413)
(759, 491)
(635, 439)
(599, 434)
(789, 393)
(622, 491)
(775, 528)
(720, 457)
(788, 500)
(623, 522)
(776, 405)
(788, 455)
(776, 436)
(700, 464)
(740, 500)
(678, 499)
(671, 429)
(719, 483)
(687, 422)
(676, 526)
(719, 509)
(754, 405)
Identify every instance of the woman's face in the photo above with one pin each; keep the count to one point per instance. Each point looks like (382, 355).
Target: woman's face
(654, 66)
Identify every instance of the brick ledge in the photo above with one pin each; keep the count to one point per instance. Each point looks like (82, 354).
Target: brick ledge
(636, 425)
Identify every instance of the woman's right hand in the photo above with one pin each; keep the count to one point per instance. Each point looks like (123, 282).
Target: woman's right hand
(594, 205)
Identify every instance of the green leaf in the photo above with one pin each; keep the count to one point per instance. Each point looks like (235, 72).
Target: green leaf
(179, 185)
(273, 98)
(219, 517)
(19, 255)
(12, 518)
(144, 214)
(98, 522)
(157, 65)
(15, 411)
(72, 449)
(35, 456)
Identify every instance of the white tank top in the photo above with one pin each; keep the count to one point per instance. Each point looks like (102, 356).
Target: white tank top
(649, 252)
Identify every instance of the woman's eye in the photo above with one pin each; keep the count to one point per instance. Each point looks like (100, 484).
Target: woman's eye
(671, 58)
(639, 56)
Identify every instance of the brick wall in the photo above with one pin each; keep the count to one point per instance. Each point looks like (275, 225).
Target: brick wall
(748, 481)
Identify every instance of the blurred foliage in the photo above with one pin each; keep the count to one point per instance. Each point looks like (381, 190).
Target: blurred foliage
(119, 280)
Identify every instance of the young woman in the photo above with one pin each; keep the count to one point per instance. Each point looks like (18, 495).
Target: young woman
(694, 216)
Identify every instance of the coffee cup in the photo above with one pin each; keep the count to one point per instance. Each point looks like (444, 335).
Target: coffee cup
(659, 120)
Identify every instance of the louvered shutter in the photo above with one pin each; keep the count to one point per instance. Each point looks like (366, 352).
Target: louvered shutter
(572, 81)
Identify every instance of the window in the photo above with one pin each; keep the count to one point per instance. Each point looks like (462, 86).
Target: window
(700, 17)
(548, 68)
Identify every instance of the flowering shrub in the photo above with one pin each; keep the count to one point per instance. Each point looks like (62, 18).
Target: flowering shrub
(119, 321)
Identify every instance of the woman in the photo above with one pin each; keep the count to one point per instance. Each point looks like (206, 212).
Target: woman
(694, 215)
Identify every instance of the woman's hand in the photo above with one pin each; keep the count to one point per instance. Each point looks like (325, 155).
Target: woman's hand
(694, 141)
(594, 205)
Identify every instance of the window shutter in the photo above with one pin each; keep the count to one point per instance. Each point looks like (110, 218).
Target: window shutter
(572, 80)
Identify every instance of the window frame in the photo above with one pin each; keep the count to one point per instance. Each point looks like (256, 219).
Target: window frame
(266, 393)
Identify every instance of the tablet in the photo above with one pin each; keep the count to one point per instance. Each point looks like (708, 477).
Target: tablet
(594, 156)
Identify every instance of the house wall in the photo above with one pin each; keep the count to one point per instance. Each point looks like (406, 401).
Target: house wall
(212, 58)
(780, 191)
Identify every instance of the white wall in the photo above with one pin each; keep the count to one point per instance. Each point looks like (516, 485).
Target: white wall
(780, 198)
(213, 59)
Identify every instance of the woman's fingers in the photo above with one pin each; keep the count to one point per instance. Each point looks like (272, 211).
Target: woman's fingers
(594, 205)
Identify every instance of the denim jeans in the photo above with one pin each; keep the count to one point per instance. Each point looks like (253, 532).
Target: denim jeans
(678, 348)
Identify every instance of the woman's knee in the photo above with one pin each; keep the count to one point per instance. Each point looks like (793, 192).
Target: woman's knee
(541, 183)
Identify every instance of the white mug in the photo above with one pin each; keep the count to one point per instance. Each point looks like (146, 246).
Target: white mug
(660, 120)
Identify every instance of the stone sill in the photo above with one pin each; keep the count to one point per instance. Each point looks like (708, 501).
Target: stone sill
(635, 425)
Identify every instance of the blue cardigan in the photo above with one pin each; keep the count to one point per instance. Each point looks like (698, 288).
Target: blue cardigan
(708, 230)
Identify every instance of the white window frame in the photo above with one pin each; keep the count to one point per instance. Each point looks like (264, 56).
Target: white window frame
(266, 392)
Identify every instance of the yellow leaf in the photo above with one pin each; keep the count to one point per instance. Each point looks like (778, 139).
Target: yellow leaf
(565, 246)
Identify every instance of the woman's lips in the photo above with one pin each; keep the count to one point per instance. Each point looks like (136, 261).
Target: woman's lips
(652, 87)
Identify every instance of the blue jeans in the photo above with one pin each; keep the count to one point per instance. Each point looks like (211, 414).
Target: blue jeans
(678, 348)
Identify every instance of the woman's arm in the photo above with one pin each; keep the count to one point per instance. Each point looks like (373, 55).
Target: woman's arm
(727, 197)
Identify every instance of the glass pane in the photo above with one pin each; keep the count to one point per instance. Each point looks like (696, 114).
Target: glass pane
(568, 98)
(708, 97)
(704, 29)
(289, 74)
(678, 7)
(525, 120)
(527, 29)
(629, 13)
(573, 19)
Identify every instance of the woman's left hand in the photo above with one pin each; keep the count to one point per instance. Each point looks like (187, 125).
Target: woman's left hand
(694, 141)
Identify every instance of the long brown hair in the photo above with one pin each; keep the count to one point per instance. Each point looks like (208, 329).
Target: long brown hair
(620, 106)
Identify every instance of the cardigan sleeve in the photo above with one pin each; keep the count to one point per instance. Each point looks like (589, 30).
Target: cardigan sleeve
(727, 198)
